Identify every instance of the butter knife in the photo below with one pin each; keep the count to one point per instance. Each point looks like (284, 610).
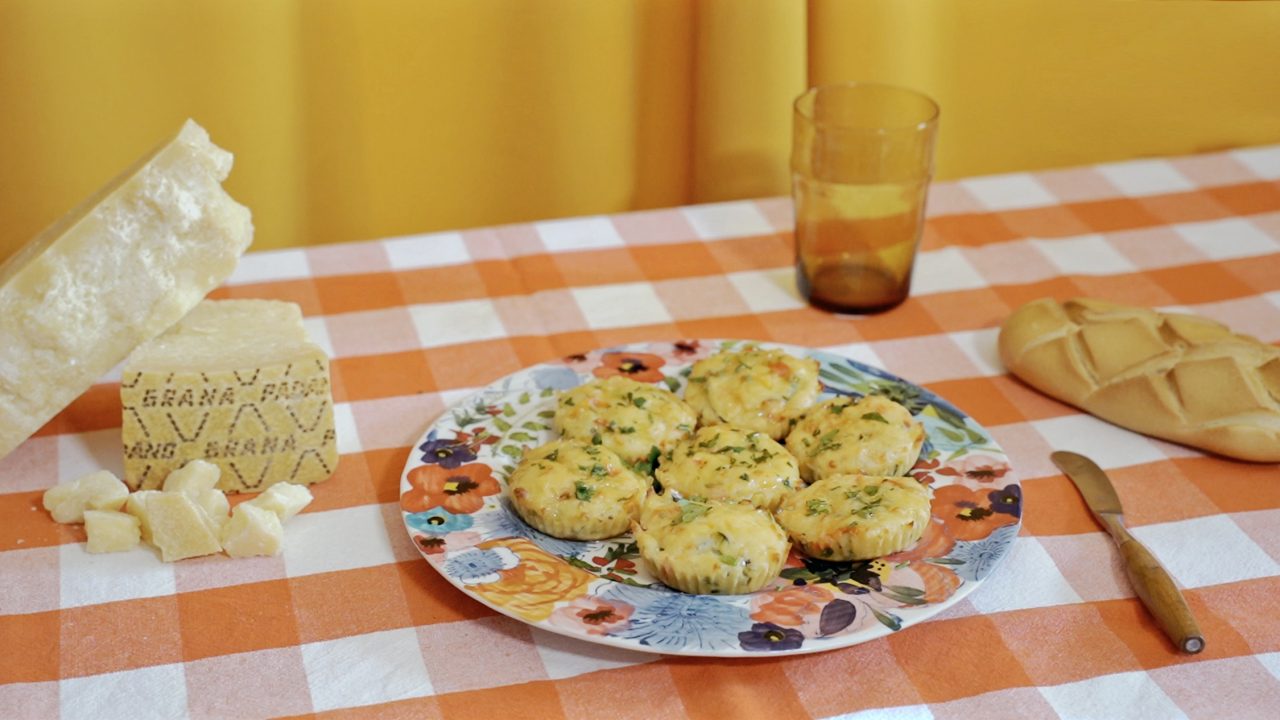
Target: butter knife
(1152, 583)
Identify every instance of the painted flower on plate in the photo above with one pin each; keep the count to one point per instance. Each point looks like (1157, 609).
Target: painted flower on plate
(924, 469)
(770, 637)
(790, 606)
(641, 367)
(553, 377)
(976, 559)
(532, 589)
(438, 521)
(674, 621)
(446, 452)
(458, 490)
(593, 615)
(968, 513)
(1007, 500)
(978, 468)
(475, 566)
(452, 542)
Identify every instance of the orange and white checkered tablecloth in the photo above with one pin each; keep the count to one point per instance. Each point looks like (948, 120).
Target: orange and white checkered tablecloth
(349, 621)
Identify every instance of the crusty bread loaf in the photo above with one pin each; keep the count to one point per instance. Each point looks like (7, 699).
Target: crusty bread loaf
(1179, 377)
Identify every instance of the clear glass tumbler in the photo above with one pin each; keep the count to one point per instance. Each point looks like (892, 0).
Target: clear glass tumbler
(862, 160)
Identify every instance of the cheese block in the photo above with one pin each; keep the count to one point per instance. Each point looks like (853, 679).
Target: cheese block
(115, 272)
(236, 383)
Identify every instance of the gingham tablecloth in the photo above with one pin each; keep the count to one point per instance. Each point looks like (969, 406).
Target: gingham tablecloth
(351, 621)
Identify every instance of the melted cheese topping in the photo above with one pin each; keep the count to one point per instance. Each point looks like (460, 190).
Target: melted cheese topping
(872, 436)
(710, 548)
(856, 517)
(625, 416)
(570, 489)
(721, 462)
(753, 388)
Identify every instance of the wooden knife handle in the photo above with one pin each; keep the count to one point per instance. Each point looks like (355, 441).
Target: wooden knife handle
(1158, 592)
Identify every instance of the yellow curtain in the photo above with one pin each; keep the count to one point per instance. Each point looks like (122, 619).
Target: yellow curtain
(360, 119)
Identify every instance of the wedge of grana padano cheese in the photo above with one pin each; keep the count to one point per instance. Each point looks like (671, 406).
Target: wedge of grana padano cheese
(114, 272)
(236, 383)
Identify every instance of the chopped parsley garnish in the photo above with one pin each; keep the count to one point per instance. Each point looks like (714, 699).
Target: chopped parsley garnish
(875, 416)
(728, 559)
(838, 408)
(626, 430)
(711, 442)
(638, 402)
(825, 443)
(553, 455)
(691, 510)
(599, 470)
(583, 491)
(596, 439)
(646, 465)
(745, 477)
(817, 506)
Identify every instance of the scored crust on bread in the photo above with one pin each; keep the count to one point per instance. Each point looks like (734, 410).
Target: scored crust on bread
(1170, 375)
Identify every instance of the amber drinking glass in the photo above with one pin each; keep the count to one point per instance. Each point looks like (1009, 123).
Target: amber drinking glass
(862, 159)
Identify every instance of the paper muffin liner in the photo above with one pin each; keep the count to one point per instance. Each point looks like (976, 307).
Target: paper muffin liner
(671, 569)
(726, 580)
(872, 542)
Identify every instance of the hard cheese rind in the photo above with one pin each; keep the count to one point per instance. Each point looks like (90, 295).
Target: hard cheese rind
(236, 383)
(113, 273)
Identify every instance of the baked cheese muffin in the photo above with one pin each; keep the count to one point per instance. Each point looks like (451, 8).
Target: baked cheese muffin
(709, 548)
(752, 388)
(726, 463)
(628, 417)
(870, 436)
(856, 517)
(575, 490)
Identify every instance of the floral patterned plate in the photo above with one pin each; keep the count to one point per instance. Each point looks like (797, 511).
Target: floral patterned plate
(452, 499)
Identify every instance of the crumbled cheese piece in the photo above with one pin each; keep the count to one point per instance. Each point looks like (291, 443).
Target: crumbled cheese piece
(99, 490)
(252, 531)
(193, 478)
(179, 527)
(284, 499)
(111, 531)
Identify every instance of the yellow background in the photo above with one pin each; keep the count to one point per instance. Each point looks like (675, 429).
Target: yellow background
(353, 120)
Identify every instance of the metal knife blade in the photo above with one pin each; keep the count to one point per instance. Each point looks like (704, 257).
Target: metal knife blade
(1092, 482)
(1152, 583)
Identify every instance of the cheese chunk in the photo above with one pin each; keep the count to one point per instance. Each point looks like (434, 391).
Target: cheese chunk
(136, 506)
(111, 531)
(96, 491)
(116, 271)
(217, 510)
(193, 478)
(236, 383)
(252, 531)
(179, 527)
(283, 499)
